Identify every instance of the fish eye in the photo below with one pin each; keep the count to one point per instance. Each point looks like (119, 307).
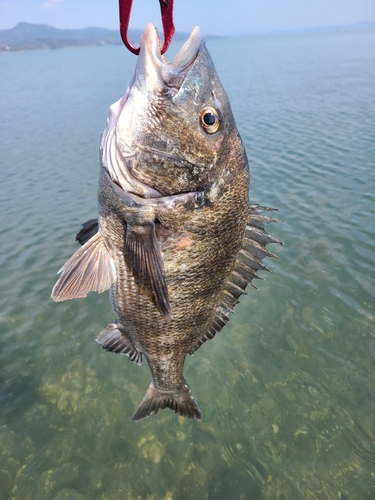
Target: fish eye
(210, 119)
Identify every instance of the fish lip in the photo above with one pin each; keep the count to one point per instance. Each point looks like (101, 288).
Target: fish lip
(153, 66)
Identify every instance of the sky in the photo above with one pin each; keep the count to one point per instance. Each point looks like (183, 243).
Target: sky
(220, 17)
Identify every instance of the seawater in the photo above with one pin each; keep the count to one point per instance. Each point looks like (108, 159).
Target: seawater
(287, 388)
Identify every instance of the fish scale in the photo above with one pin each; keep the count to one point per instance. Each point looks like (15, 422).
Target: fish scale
(176, 241)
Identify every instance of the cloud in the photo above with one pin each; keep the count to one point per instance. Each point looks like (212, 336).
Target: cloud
(52, 4)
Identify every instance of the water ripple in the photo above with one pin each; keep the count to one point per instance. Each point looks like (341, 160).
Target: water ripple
(286, 389)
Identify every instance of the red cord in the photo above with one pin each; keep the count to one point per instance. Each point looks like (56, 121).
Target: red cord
(166, 9)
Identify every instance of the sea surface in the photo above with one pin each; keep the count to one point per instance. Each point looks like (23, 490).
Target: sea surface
(287, 389)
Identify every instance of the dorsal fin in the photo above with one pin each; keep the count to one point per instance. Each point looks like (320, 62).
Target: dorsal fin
(248, 262)
(87, 231)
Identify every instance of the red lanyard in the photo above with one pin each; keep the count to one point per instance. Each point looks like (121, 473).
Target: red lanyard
(166, 8)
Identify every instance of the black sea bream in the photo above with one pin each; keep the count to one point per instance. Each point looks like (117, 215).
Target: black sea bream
(176, 241)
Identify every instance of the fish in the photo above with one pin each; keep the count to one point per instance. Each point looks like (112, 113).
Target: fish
(176, 241)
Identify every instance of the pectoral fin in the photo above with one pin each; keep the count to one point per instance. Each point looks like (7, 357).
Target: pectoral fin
(90, 269)
(144, 259)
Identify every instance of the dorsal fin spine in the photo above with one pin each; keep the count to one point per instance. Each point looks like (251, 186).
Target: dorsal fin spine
(248, 262)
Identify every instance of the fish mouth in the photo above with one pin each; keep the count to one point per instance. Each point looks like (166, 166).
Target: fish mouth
(153, 76)
(153, 67)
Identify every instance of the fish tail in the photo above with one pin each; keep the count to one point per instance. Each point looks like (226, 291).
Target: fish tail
(181, 401)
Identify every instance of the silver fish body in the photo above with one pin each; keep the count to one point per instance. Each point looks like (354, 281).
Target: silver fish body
(176, 240)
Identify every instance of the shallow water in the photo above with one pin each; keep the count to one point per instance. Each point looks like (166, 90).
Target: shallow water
(287, 388)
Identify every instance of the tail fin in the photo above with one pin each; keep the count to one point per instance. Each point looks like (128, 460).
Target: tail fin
(181, 401)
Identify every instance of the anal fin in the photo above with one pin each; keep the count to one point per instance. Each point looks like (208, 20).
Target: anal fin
(114, 339)
(90, 269)
(143, 257)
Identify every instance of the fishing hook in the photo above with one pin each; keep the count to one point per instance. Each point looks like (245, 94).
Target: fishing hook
(166, 9)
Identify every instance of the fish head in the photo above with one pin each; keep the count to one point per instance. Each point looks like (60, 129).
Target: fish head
(175, 129)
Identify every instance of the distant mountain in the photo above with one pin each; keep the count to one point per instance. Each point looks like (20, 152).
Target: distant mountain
(363, 26)
(26, 36)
